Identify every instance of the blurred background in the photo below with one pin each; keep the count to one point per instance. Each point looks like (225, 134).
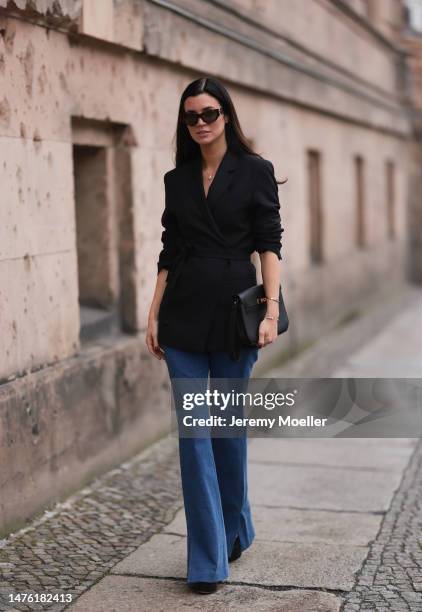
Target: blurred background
(329, 90)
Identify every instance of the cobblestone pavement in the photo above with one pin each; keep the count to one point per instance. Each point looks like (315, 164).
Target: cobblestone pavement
(391, 577)
(76, 544)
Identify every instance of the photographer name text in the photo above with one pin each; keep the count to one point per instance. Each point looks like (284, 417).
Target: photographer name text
(270, 422)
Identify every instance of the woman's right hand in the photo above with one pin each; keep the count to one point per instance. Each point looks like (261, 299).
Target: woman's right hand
(151, 339)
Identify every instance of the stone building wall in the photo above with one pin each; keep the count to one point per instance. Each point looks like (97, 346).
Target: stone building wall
(412, 42)
(88, 102)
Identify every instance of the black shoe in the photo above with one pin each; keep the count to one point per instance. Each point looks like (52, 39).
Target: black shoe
(203, 587)
(237, 551)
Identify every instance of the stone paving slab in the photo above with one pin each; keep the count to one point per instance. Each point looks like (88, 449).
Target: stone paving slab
(126, 594)
(305, 526)
(380, 357)
(374, 453)
(326, 356)
(264, 563)
(323, 487)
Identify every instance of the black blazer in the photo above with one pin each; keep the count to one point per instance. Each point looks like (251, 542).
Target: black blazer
(207, 246)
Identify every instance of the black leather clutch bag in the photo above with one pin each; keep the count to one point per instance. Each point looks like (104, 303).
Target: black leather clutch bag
(247, 311)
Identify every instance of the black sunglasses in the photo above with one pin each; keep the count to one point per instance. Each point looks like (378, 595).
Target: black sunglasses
(208, 116)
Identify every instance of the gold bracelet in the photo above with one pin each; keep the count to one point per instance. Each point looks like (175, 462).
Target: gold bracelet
(270, 317)
(273, 299)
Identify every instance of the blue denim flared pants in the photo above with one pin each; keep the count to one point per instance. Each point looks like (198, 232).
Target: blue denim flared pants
(213, 471)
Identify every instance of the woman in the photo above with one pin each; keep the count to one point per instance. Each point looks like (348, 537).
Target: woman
(221, 206)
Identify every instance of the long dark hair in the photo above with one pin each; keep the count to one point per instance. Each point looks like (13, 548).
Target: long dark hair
(186, 148)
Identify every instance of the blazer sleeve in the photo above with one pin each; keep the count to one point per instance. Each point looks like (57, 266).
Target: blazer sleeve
(266, 222)
(170, 237)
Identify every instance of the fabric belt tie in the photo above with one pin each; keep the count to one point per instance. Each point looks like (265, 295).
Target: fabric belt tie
(189, 249)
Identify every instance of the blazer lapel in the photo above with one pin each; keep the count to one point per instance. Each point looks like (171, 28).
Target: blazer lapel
(221, 183)
(223, 177)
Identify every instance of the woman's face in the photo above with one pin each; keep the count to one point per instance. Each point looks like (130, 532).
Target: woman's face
(205, 133)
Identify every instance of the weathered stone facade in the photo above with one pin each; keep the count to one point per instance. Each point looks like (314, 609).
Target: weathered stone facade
(88, 103)
(412, 41)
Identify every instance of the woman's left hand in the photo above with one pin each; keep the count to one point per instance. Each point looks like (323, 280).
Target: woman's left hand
(267, 332)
